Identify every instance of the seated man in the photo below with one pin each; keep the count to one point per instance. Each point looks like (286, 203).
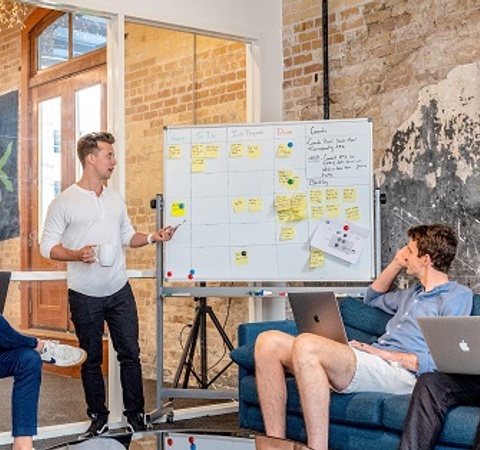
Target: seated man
(21, 356)
(434, 394)
(390, 365)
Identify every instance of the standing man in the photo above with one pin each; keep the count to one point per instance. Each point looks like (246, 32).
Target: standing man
(21, 357)
(390, 365)
(84, 217)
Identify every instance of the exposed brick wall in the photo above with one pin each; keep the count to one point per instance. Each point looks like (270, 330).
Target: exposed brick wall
(174, 78)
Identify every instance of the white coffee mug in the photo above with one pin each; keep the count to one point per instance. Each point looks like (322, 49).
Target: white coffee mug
(106, 254)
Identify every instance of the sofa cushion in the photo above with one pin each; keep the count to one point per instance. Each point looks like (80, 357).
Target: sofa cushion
(368, 319)
(394, 411)
(476, 305)
(363, 408)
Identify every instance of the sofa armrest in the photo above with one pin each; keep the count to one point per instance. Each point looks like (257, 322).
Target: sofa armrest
(248, 332)
(243, 355)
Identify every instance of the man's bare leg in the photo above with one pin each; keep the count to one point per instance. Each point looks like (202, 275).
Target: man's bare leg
(272, 358)
(320, 363)
(22, 443)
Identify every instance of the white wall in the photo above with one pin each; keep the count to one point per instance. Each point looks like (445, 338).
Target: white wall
(259, 21)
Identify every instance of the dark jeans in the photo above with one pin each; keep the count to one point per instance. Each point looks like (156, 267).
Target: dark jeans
(25, 365)
(119, 311)
(434, 394)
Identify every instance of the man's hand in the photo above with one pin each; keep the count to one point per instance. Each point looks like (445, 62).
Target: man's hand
(164, 234)
(86, 254)
(401, 257)
(407, 360)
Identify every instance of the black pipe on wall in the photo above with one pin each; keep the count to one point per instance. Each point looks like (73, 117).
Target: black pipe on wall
(326, 84)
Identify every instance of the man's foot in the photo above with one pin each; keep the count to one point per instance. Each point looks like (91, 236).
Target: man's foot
(98, 426)
(136, 422)
(62, 355)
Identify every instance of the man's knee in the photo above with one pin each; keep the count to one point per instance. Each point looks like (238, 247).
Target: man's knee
(429, 384)
(271, 342)
(29, 360)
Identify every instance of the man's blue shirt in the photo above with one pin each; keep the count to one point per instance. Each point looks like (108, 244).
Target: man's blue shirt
(403, 333)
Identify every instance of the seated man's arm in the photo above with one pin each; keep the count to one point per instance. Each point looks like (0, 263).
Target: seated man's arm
(407, 360)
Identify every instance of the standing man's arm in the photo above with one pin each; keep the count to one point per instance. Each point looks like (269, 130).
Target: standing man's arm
(141, 239)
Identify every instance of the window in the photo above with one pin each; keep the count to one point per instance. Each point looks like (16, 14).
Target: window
(70, 36)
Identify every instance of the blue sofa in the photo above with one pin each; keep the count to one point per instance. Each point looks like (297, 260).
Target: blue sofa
(368, 420)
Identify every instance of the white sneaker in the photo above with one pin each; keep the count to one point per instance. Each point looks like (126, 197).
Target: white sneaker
(62, 355)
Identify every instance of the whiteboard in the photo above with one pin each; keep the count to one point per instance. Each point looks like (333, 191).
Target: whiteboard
(252, 198)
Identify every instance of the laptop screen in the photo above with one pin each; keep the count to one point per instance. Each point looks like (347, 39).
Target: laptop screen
(4, 282)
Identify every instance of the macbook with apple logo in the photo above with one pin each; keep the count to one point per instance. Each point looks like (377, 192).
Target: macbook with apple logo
(318, 313)
(454, 342)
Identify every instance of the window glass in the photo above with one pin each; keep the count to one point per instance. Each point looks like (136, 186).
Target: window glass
(89, 33)
(88, 107)
(49, 155)
(61, 41)
(53, 43)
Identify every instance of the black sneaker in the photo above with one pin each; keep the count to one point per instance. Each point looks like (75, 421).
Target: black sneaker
(136, 422)
(98, 426)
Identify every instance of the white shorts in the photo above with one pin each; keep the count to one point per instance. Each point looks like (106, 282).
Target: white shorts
(374, 374)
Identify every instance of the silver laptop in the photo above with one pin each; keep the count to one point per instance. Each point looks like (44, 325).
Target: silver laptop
(318, 313)
(454, 342)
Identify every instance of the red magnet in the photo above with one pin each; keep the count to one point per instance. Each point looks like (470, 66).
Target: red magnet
(169, 442)
(191, 439)
(346, 227)
(169, 274)
(190, 276)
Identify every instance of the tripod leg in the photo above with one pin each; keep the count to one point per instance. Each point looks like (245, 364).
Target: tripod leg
(187, 356)
(219, 328)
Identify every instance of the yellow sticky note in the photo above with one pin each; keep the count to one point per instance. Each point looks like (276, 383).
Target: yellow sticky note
(298, 215)
(198, 151)
(284, 151)
(293, 182)
(174, 152)
(239, 204)
(316, 196)
(253, 151)
(284, 216)
(178, 209)
(236, 150)
(349, 195)
(332, 211)
(255, 204)
(316, 212)
(287, 233)
(282, 202)
(198, 165)
(298, 201)
(284, 176)
(241, 258)
(317, 258)
(212, 151)
(352, 214)
(331, 195)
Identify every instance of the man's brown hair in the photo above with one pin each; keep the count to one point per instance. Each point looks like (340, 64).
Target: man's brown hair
(438, 241)
(87, 144)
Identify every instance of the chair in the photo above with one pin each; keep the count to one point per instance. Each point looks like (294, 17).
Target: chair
(273, 443)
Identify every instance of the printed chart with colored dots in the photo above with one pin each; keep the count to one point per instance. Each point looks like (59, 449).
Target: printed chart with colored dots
(257, 202)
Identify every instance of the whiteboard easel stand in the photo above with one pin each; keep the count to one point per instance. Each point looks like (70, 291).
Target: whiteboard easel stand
(165, 411)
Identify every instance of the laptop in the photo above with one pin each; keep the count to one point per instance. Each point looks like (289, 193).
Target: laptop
(4, 282)
(318, 313)
(454, 342)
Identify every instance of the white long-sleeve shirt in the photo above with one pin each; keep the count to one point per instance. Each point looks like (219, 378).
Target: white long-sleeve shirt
(78, 217)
